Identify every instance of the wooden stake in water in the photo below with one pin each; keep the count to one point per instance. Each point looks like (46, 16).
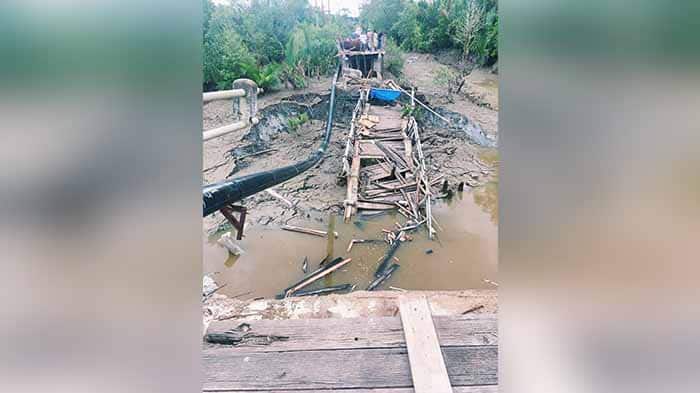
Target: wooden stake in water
(329, 244)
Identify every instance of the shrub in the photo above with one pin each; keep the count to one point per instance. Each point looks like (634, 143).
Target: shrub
(225, 57)
(266, 77)
(295, 122)
(311, 49)
(394, 58)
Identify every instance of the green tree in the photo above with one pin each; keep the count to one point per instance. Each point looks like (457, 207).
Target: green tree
(381, 15)
(225, 55)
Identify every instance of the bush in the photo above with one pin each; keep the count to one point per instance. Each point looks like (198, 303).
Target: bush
(266, 77)
(311, 49)
(477, 31)
(471, 26)
(268, 41)
(295, 122)
(225, 57)
(394, 58)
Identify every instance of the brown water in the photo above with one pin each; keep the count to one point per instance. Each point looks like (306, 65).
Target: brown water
(464, 254)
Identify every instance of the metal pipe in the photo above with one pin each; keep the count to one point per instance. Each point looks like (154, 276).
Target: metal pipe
(217, 195)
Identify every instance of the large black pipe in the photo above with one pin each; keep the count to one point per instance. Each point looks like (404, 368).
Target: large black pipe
(220, 194)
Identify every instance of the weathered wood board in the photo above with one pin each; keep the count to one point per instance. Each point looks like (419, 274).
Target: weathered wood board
(226, 368)
(458, 389)
(348, 333)
(428, 369)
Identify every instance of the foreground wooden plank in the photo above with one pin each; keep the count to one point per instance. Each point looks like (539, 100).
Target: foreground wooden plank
(428, 369)
(225, 368)
(349, 333)
(458, 389)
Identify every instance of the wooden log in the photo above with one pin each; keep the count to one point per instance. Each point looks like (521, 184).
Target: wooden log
(308, 231)
(378, 202)
(323, 291)
(379, 280)
(374, 206)
(280, 197)
(381, 269)
(321, 268)
(357, 241)
(326, 271)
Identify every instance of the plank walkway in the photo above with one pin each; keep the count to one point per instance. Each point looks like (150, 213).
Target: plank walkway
(386, 169)
(356, 355)
(380, 148)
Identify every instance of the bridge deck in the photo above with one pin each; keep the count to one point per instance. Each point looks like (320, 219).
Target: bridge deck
(356, 355)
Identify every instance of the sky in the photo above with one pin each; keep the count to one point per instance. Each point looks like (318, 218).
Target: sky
(336, 5)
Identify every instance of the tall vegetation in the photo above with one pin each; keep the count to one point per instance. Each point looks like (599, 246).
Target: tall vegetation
(287, 41)
(268, 41)
(471, 26)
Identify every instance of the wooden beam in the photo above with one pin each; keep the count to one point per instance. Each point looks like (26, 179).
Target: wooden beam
(227, 369)
(354, 333)
(428, 369)
(318, 275)
(460, 389)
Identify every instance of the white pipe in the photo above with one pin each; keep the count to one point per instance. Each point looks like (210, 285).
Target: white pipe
(225, 94)
(217, 132)
(222, 95)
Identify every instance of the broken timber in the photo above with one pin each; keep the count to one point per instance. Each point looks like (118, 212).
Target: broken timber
(384, 164)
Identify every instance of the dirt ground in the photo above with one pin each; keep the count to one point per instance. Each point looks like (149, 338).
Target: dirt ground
(478, 99)
(316, 193)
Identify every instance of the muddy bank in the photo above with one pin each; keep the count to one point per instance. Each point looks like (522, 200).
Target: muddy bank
(353, 305)
(291, 129)
(478, 98)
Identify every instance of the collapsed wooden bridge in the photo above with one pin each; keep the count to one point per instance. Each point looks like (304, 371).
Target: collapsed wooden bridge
(384, 164)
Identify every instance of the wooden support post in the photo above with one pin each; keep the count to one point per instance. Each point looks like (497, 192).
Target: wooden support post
(408, 147)
(353, 182)
(238, 223)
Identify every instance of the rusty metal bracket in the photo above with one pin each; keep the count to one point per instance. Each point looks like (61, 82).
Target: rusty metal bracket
(238, 223)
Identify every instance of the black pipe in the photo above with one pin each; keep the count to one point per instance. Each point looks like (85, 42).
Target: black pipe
(217, 195)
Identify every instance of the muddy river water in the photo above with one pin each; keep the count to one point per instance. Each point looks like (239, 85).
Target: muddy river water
(463, 256)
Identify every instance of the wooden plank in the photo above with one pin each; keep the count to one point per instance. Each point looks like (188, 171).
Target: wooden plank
(314, 277)
(348, 333)
(225, 368)
(374, 206)
(458, 389)
(368, 148)
(428, 369)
